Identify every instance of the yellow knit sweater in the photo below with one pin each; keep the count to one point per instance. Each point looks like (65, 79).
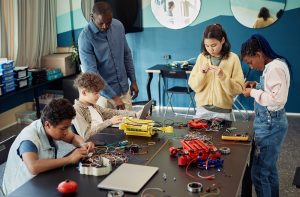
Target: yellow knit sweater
(213, 90)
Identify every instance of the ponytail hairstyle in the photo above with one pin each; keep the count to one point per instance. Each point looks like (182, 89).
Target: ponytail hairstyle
(264, 13)
(257, 43)
(216, 31)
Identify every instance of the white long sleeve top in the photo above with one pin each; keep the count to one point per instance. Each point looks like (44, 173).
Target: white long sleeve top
(276, 86)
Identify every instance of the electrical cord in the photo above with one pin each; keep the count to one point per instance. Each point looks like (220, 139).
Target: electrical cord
(209, 177)
(216, 193)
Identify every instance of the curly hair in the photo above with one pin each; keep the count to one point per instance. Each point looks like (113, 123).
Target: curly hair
(92, 82)
(57, 111)
(216, 31)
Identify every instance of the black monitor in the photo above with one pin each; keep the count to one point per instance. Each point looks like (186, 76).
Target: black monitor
(129, 12)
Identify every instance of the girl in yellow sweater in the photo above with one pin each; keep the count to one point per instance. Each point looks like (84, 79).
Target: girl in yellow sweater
(217, 76)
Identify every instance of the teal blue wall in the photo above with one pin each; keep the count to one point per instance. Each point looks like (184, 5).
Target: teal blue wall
(149, 46)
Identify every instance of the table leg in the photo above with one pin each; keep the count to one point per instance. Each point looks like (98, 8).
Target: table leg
(159, 94)
(37, 104)
(150, 76)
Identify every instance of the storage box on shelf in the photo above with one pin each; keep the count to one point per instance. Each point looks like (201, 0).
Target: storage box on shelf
(6, 64)
(8, 86)
(21, 76)
(62, 61)
(54, 73)
(7, 77)
(7, 81)
(21, 71)
(22, 82)
(38, 76)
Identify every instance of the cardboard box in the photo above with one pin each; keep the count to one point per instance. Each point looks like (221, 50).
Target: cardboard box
(62, 61)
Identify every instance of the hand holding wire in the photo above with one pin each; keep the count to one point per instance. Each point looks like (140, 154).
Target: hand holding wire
(204, 68)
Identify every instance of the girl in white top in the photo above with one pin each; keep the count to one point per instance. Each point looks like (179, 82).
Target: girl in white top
(270, 123)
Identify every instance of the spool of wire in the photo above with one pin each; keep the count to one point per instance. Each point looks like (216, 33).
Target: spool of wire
(194, 187)
(224, 150)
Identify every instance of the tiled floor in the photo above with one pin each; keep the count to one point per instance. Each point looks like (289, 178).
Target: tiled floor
(288, 161)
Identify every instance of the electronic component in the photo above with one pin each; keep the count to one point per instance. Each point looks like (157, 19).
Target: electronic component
(194, 187)
(164, 176)
(235, 136)
(139, 127)
(95, 165)
(205, 154)
(115, 193)
(224, 150)
(198, 124)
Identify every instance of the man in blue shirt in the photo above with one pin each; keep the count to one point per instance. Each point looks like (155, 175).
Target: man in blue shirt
(103, 49)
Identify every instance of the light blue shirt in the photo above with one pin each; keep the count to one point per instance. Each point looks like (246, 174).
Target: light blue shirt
(107, 53)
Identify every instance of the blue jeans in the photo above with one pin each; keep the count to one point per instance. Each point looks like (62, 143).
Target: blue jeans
(270, 130)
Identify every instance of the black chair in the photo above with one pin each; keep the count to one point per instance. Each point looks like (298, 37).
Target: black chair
(70, 92)
(170, 91)
(4, 150)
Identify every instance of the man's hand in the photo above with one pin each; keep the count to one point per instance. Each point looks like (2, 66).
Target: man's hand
(119, 103)
(134, 90)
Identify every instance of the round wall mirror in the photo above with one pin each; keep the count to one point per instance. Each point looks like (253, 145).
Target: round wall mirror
(257, 13)
(175, 14)
(86, 7)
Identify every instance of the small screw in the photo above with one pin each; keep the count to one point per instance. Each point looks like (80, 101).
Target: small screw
(174, 179)
(165, 176)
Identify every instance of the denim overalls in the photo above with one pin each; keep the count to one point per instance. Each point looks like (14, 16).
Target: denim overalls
(270, 128)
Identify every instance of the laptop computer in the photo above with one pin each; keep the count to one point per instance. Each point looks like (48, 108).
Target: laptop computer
(145, 110)
(139, 175)
(144, 114)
